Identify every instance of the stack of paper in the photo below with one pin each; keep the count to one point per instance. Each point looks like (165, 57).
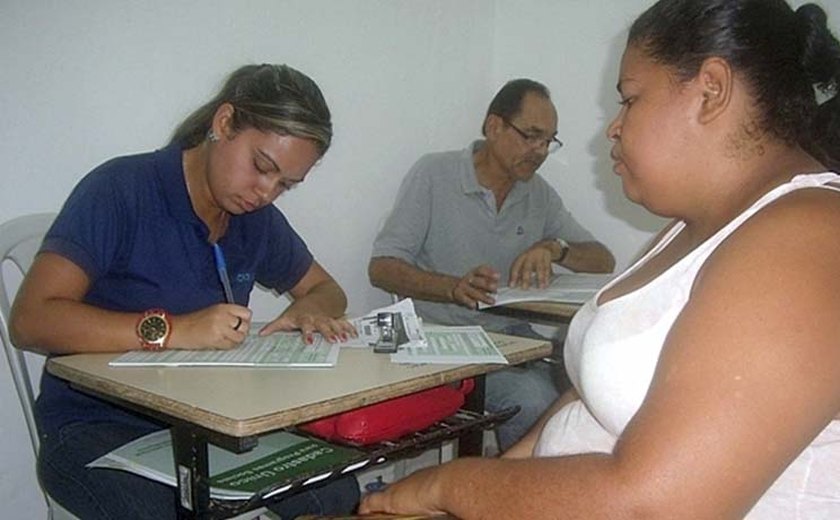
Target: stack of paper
(563, 288)
(369, 332)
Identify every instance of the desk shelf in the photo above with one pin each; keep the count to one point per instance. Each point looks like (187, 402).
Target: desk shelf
(452, 427)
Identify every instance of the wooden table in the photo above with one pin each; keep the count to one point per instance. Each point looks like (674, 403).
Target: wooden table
(544, 312)
(230, 407)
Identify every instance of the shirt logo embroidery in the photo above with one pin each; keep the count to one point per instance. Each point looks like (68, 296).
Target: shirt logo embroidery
(243, 277)
(520, 230)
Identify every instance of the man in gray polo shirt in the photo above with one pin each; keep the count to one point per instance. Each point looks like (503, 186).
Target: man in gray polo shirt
(466, 222)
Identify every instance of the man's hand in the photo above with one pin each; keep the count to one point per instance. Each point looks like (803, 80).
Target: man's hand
(533, 267)
(478, 285)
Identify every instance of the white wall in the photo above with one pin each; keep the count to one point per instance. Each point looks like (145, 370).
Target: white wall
(575, 47)
(85, 81)
(80, 85)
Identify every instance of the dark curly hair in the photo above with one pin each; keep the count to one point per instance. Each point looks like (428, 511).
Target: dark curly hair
(789, 59)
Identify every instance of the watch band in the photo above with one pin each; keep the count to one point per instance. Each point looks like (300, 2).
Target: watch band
(153, 329)
(564, 250)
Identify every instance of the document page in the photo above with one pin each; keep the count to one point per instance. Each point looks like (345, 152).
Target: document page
(281, 349)
(452, 345)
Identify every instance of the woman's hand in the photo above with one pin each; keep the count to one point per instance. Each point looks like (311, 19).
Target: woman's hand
(318, 304)
(221, 326)
(332, 329)
(417, 494)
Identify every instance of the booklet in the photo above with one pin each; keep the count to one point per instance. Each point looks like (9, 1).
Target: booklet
(281, 349)
(575, 288)
(278, 457)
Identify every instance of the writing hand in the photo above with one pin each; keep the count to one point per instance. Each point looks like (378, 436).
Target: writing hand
(220, 326)
(478, 285)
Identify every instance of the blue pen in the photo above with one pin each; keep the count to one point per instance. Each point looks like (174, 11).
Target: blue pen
(221, 267)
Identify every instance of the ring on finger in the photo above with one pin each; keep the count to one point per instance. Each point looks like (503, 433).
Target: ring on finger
(238, 323)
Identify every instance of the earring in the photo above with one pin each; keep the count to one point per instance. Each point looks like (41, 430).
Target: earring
(212, 137)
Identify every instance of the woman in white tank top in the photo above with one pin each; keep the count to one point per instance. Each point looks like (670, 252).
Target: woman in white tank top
(706, 376)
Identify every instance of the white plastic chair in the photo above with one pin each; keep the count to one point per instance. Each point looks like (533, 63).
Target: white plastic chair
(20, 239)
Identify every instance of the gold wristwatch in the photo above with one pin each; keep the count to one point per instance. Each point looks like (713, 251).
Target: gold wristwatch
(153, 329)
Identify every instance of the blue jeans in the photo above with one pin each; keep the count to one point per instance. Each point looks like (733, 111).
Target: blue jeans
(114, 494)
(531, 386)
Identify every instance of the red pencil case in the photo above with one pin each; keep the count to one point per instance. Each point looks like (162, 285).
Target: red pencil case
(393, 418)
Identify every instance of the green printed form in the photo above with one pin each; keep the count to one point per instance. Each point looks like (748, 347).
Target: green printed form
(283, 349)
(452, 345)
(279, 458)
(307, 457)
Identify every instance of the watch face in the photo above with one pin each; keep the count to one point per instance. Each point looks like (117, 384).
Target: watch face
(153, 328)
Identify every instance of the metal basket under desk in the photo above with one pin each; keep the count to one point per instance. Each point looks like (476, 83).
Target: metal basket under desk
(452, 427)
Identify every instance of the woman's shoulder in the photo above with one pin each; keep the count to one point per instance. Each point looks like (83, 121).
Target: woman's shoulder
(812, 208)
(795, 236)
(127, 170)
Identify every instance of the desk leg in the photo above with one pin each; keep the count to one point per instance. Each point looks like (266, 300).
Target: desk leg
(191, 467)
(472, 444)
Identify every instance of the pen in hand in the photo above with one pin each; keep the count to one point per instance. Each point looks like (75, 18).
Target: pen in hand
(221, 267)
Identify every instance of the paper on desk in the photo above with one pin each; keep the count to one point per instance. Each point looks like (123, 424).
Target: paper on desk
(281, 349)
(369, 332)
(278, 457)
(452, 346)
(563, 288)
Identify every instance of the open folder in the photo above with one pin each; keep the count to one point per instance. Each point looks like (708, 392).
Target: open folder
(279, 457)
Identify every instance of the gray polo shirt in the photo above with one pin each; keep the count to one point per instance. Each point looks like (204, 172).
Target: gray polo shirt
(444, 221)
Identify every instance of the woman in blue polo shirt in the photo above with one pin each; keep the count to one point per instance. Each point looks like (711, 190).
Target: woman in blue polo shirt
(129, 263)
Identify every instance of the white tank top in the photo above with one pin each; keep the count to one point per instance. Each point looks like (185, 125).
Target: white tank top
(611, 353)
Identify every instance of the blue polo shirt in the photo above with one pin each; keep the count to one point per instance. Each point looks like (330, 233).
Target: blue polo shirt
(130, 225)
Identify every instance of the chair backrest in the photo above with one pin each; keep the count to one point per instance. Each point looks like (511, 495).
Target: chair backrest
(20, 239)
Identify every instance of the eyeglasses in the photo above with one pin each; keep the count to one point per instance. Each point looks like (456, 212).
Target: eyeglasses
(552, 143)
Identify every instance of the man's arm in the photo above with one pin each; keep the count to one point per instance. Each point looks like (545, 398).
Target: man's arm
(585, 254)
(586, 257)
(534, 265)
(399, 277)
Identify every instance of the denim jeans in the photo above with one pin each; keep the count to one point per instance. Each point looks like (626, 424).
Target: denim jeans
(113, 494)
(532, 386)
